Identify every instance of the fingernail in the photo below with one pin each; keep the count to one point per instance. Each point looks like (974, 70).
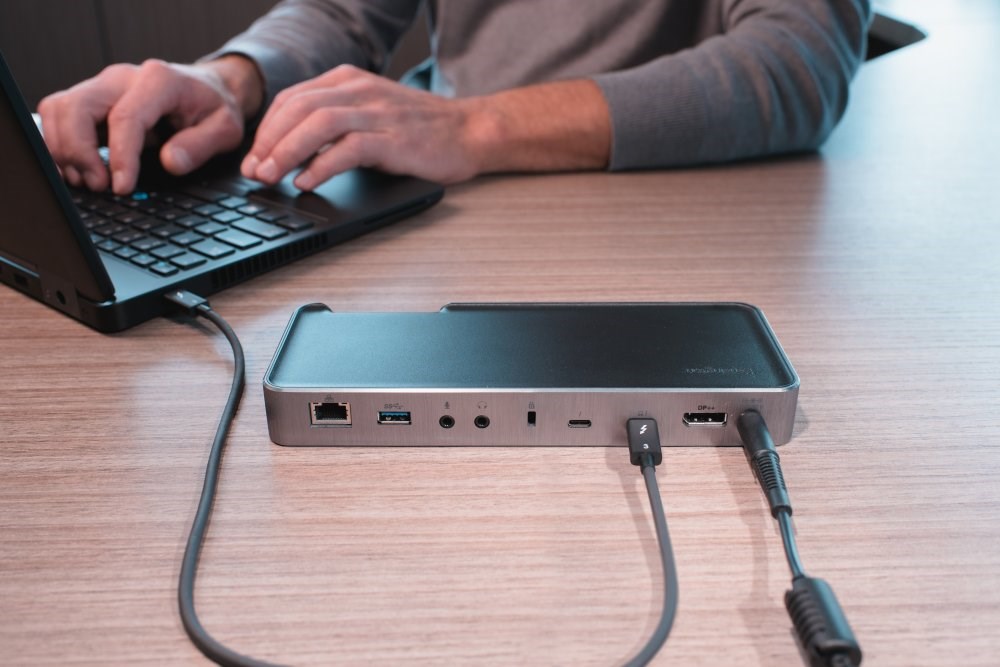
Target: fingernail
(181, 159)
(268, 171)
(249, 166)
(305, 181)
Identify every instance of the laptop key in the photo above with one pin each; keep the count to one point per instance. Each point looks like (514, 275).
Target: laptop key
(111, 229)
(188, 260)
(187, 238)
(146, 224)
(208, 209)
(239, 239)
(109, 210)
(191, 220)
(171, 214)
(130, 218)
(227, 216)
(146, 244)
(258, 228)
(233, 202)
(128, 237)
(210, 228)
(143, 260)
(126, 252)
(252, 209)
(163, 268)
(185, 203)
(166, 231)
(167, 251)
(212, 249)
(108, 245)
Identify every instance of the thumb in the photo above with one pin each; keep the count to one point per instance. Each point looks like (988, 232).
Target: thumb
(191, 147)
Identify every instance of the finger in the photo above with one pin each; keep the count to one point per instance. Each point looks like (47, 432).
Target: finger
(321, 128)
(191, 147)
(81, 151)
(292, 113)
(72, 176)
(50, 128)
(155, 93)
(70, 120)
(358, 149)
(336, 77)
(343, 86)
(77, 156)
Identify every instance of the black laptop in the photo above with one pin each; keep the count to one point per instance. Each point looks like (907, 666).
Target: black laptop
(107, 260)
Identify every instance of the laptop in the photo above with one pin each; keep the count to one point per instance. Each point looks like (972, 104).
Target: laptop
(108, 260)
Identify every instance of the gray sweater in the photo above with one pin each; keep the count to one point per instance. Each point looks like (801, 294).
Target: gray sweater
(687, 81)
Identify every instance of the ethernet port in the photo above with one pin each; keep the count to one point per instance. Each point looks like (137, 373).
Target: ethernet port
(322, 413)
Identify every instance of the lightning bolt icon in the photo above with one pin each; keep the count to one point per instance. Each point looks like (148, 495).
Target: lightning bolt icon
(643, 429)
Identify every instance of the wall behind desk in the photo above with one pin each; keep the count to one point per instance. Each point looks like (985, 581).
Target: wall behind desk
(52, 44)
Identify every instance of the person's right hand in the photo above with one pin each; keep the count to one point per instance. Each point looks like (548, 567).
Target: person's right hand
(206, 103)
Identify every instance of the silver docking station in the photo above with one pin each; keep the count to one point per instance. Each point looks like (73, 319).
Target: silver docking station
(533, 374)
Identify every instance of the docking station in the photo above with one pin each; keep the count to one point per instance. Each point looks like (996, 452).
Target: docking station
(527, 375)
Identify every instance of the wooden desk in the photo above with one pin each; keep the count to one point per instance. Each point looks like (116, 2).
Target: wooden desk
(878, 264)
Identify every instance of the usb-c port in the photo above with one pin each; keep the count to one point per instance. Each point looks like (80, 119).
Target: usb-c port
(579, 423)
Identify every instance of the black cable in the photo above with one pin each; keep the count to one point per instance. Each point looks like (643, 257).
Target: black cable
(819, 620)
(644, 446)
(788, 540)
(206, 643)
(645, 452)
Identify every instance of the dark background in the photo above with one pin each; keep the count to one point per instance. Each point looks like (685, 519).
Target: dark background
(52, 44)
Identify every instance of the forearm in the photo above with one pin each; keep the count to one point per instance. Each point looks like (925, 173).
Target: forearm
(558, 126)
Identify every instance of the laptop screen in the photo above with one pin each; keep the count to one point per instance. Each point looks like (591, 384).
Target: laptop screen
(34, 229)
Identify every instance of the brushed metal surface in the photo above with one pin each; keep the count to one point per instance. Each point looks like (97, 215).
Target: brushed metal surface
(289, 416)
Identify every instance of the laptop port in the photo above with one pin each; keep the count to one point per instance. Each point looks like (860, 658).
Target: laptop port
(579, 423)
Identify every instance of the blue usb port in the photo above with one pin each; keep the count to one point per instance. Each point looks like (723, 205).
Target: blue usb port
(393, 417)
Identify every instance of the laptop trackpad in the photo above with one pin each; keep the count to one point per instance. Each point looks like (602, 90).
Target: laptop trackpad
(350, 192)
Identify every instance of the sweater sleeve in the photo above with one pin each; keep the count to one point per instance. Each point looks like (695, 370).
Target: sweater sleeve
(775, 80)
(301, 39)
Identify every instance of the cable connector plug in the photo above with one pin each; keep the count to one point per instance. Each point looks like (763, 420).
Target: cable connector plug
(821, 624)
(764, 460)
(644, 439)
(188, 302)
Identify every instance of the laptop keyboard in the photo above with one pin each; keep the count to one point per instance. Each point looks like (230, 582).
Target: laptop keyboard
(168, 233)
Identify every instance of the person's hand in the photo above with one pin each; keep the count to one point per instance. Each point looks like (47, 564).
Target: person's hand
(207, 104)
(350, 118)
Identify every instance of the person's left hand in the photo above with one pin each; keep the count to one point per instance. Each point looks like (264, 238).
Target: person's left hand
(350, 118)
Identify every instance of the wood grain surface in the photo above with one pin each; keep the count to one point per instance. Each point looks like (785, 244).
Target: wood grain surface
(877, 262)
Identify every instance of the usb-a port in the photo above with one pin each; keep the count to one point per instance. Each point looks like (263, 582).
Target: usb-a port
(393, 417)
